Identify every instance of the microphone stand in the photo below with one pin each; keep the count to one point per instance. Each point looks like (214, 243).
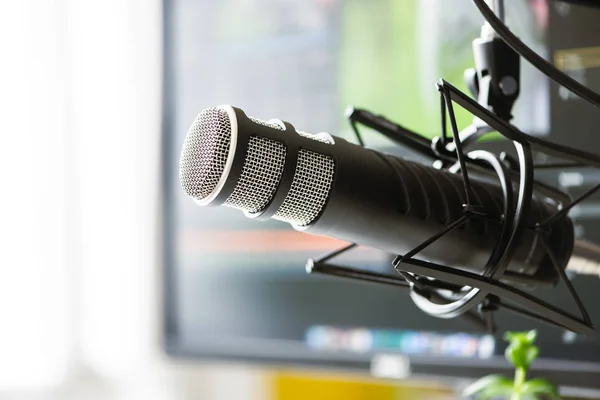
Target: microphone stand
(447, 292)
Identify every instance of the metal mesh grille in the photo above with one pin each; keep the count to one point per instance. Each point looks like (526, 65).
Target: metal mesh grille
(310, 189)
(205, 152)
(314, 137)
(265, 123)
(260, 175)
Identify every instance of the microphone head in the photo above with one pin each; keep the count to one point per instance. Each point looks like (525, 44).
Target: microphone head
(207, 154)
(207, 164)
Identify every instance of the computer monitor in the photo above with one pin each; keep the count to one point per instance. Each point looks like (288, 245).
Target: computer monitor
(237, 289)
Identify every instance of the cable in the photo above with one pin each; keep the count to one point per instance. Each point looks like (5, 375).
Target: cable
(544, 66)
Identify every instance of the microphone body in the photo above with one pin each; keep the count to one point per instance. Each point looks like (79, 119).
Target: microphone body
(326, 185)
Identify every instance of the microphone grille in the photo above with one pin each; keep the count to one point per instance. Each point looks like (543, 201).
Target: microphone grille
(204, 162)
(266, 123)
(205, 152)
(260, 175)
(309, 190)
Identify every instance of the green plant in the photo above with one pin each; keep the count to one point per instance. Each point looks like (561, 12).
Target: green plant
(521, 352)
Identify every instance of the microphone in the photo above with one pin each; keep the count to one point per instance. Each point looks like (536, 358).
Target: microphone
(325, 185)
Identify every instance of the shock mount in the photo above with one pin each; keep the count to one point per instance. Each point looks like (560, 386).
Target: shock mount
(446, 292)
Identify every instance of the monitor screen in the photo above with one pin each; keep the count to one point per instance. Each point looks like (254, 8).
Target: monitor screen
(237, 288)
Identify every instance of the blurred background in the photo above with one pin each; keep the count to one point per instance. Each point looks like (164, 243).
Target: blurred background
(113, 284)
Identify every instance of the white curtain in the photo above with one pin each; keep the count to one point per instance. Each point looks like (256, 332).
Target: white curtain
(79, 172)
(34, 169)
(80, 115)
(115, 88)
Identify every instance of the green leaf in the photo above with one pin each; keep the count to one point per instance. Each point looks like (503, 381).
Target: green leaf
(521, 356)
(513, 355)
(490, 393)
(530, 354)
(512, 336)
(540, 386)
(521, 338)
(531, 336)
(488, 386)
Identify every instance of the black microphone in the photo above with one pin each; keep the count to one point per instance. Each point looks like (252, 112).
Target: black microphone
(325, 185)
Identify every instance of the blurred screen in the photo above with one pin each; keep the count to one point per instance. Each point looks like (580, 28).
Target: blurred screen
(238, 288)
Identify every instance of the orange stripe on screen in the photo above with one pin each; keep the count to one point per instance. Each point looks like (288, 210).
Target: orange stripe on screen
(253, 241)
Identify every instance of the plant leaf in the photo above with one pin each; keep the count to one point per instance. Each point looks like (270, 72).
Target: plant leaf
(540, 386)
(521, 356)
(531, 354)
(521, 338)
(488, 386)
(531, 336)
(512, 336)
(512, 354)
(516, 356)
(504, 392)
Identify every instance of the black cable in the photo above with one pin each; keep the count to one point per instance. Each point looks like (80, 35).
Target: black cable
(544, 66)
